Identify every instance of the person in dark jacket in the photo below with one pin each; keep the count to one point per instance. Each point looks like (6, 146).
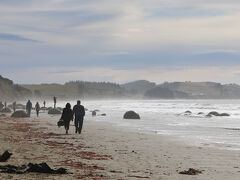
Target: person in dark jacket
(67, 116)
(14, 106)
(29, 108)
(79, 112)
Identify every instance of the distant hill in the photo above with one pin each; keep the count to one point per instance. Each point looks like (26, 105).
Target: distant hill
(197, 90)
(10, 91)
(138, 87)
(77, 89)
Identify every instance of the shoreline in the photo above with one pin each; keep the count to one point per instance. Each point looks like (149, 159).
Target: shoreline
(104, 151)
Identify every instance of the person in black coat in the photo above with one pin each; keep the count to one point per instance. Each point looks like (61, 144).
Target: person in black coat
(67, 116)
(79, 112)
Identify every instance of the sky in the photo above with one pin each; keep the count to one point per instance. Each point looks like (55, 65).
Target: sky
(55, 41)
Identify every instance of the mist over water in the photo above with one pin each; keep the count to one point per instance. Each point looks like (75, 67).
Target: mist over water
(166, 117)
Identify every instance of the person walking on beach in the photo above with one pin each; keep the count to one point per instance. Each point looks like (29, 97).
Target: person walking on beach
(1, 105)
(37, 108)
(29, 108)
(54, 101)
(14, 106)
(79, 112)
(44, 103)
(67, 116)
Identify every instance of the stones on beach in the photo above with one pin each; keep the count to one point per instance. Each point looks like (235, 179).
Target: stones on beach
(94, 113)
(214, 113)
(191, 171)
(54, 111)
(30, 168)
(20, 114)
(131, 115)
(6, 110)
(5, 156)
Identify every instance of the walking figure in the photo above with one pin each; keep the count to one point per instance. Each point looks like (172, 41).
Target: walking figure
(79, 112)
(44, 103)
(29, 108)
(67, 116)
(14, 106)
(55, 101)
(37, 108)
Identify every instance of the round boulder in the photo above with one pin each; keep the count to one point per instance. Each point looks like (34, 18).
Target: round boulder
(213, 113)
(6, 110)
(94, 113)
(20, 114)
(131, 115)
(54, 111)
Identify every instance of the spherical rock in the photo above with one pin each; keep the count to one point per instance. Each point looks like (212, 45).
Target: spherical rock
(54, 111)
(6, 110)
(131, 115)
(20, 114)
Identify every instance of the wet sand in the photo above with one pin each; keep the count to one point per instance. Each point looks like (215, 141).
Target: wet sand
(103, 151)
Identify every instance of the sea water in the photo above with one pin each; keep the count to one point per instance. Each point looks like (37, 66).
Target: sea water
(167, 117)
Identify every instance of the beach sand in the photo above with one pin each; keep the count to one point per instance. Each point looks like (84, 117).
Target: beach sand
(104, 151)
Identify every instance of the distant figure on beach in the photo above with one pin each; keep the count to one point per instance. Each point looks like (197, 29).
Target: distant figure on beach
(29, 107)
(67, 116)
(79, 112)
(55, 101)
(44, 103)
(37, 108)
(14, 106)
(5, 104)
(1, 105)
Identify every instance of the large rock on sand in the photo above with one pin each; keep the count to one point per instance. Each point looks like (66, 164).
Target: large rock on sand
(214, 113)
(6, 110)
(54, 111)
(20, 114)
(131, 115)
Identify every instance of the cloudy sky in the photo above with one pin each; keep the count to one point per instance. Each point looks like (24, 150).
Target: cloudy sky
(120, 41)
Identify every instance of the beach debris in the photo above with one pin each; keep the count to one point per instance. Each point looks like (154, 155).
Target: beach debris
(191, 171)
(5, 156)
(54, 111)
(6, 110)
(30, 168)
(131, 115)
(19, 114)
(60, 123)
(94, 113)
(214, 113)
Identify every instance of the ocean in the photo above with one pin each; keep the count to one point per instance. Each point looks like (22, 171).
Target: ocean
(168, 117)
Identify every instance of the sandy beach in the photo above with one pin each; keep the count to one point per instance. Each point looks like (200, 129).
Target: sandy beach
(104, 151)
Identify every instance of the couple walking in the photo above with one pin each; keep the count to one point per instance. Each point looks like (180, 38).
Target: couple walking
(68, 114)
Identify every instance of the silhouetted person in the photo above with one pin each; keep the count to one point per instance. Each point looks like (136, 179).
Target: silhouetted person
(1, 105)
(29, 107)
(14, 106)
(5, 104)
(44, 103)
(54, 101)
(37, 108)
(67, 116)
(79, 112)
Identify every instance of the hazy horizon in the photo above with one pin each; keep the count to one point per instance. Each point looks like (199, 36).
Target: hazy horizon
(53, 41)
